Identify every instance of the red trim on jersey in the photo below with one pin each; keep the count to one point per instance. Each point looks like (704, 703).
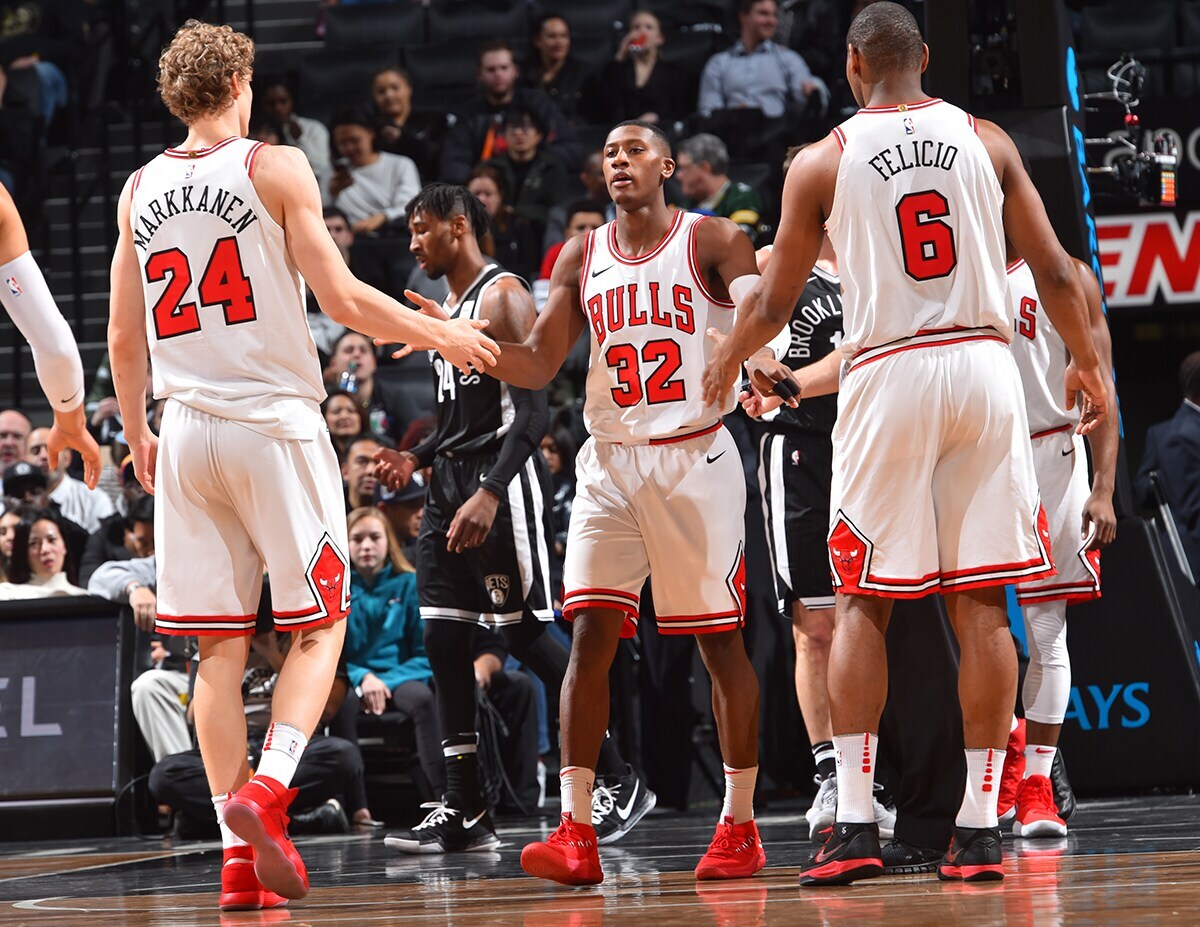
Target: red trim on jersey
(971, 122)
(1015, 265)
(195, 625)
(839, 136)
(583, 271)
(1052, 431)
(137, 178)
(625, 259)
(591, 590)
(854, 364)
(628, 626)
(199, 152)
(675, 439)
(896, 109)
(956, 575)
(319, 620)
(694, 267)
(253, 153)
(722, 622)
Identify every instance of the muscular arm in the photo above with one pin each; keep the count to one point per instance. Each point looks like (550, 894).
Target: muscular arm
(533, 362)
(807, 192)
(1104, 439)
(286, 184)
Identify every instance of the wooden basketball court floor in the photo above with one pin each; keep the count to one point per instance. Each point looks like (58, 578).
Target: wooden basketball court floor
(1128, 861)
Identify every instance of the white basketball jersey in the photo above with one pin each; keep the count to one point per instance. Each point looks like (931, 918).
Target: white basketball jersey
(225, 314)
(648, 317)
(916, 224)
(1040, 352)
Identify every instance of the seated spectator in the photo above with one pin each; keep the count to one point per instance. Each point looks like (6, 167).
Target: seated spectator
(86, 507)
(639, 84)
(398, 129)
(358, 470)
(478, 133)
(553, 70)
(50, 40)
(756, 73)
(534, 180)
(403, 509)
(329, 777)
(385, 646)
(8, 526)
(385, 406)
(558, 447)
(700, 165)
(508, 236)
(278, 105)
(120, 538)
(14, 429)
(25, 484)
(40, 566)
(161, 694)
(343, 418)
(371, 187)
(592, 178)
(263, 130)
(583, 216)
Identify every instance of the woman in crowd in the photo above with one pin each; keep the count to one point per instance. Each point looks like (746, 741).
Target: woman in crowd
(371, 187)
(383, 408)
(553, 70)
(398, 130)
(510, 239)
(40, 567)
(639, 84)
(278, 106)
(558, 447)
(385, 650)
(343, 418)
(8, 526)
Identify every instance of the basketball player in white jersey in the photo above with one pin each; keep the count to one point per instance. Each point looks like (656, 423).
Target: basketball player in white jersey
(55, 355)
(1081, 522)
(660, 484)
(933, 482)
(214, 235)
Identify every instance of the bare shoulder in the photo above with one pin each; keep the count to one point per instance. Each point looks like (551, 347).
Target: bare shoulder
(717, 232)
(282, 177)
(1000, 147)
(569, 263)
(508, 306)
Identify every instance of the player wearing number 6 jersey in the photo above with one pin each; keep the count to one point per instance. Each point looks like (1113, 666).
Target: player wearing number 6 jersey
(660, 489)
(933, 480)
(214, 235)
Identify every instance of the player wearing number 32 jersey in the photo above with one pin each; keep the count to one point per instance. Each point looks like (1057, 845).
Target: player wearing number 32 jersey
(213, 237)
(933, 479)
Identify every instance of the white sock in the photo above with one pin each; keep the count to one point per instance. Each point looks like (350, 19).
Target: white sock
(855, 777)
(281, 753)
(1039, 759)
(983, 788)
(575, 786)
(1016, 722)
(228, 837)
(739, 794)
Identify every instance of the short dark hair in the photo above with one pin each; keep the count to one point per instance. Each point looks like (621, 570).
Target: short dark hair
(518, 113)
(493, 45)
(888, 37)
(332, 212)
(544, 17)
(1189, 376)
(381, 440)
(443, 201)
(392, 69)
(578, 206)
(346, 334)
(142, 509)
(270, 82)
(745, 6)
(352, 116)
(655, 130)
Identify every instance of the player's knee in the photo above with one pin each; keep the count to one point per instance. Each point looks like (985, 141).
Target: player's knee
(813, 630)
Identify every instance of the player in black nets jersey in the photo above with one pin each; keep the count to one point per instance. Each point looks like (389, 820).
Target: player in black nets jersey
(482, 553)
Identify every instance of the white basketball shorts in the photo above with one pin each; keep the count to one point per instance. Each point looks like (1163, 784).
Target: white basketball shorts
(230, 502)
(1062, 473)
(933, 480)
(674, 511)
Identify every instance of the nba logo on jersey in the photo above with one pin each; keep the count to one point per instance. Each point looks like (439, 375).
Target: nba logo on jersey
(497, 588)
(191, 169)
(13, 286)
(909, 128)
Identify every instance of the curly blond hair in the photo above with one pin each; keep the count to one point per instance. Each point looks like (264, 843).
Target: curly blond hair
(194, 71)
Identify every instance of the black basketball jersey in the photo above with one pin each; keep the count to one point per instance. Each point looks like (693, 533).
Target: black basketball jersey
(474, 410)
(816, 330)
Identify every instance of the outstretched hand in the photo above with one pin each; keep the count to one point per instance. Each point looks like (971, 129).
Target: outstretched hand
(461, 342)
(70, 431)
(1090, 383)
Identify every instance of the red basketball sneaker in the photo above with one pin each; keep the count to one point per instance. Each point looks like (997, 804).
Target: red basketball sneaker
(258, 814)
(1014, 772)
(240, 888)
(569, 855)
(1037, 815)
(736, 852)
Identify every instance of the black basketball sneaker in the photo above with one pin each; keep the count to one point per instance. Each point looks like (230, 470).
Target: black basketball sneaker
(617, 805)
(903, 858)
(974, 856)
(447, 830)
(850, 852)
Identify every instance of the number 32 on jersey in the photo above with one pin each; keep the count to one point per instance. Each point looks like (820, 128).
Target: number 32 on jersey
(223, 283)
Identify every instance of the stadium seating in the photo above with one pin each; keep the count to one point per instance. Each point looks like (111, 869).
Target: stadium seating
(475, 21)
(360, 25)
(593, 17)
(329, 80)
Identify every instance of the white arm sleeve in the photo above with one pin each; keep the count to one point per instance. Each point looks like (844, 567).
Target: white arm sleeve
(25, 295)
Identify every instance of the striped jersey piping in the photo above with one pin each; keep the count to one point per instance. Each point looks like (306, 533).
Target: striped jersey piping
(901, 107)
(626, 259)
(199, 152)
(926, 338)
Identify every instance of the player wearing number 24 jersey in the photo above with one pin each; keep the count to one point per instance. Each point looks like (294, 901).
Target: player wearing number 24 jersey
(213, 237)
(933, 482)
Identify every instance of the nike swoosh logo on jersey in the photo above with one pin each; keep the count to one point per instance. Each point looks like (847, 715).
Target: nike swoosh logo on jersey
(1069, 451)
(715, 459)
(597, 273)
(625, 812)
(467, 825)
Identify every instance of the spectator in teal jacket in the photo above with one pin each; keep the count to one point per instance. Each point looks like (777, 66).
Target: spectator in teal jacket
(385, 650)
